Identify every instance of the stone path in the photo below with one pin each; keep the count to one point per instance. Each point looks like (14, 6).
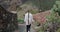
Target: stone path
(22, 28)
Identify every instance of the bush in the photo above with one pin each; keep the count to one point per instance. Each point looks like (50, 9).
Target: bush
(21, 21)
(53, 20)
(58, 30)
(34, 11)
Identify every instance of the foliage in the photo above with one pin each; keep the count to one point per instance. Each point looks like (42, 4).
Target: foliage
(21, 20)
(55, 11)
(34, 11)
(53, 19)
(43, 4)
(54, 16)
(58, 30)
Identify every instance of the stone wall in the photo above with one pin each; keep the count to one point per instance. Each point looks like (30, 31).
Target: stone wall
(8, 21)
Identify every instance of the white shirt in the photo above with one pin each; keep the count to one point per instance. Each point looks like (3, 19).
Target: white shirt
(30, 18)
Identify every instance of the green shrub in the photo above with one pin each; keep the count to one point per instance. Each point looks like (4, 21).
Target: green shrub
(34, 11)
(52, 18)
(58, 30)
(21, 21)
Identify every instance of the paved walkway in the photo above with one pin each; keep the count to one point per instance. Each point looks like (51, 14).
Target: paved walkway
(22, 28)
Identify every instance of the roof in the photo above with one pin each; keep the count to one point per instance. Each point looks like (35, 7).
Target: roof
(41, 17)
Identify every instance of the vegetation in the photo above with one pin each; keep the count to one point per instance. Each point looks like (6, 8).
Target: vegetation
(43, 4)
(52, 24)
(21, 21)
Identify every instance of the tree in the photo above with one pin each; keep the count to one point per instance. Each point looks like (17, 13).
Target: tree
(43, 4)
(53, 22)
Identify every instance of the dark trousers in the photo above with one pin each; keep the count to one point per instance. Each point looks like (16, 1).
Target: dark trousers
(28, 27)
